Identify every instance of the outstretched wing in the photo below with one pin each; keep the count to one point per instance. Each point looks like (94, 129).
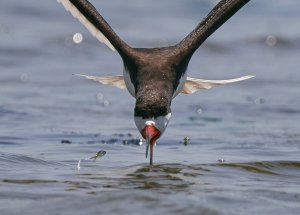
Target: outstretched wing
(217, 17)
(193, 84)
(116, 81)
(87, 14)
(190, 86)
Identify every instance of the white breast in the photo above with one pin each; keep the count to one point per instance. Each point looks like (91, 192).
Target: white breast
(180, 85)
(129, 85)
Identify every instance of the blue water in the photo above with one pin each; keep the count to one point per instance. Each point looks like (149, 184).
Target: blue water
(50, 119)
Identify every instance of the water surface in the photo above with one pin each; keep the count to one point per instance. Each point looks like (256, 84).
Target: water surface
(49, 119)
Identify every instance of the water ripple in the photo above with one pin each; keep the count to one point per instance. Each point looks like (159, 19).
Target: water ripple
(21, 161)
(27, 181)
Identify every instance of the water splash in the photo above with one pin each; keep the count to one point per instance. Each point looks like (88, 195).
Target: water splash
(99, 154)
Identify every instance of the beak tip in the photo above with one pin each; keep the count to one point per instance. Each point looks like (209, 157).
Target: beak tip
(151, 134)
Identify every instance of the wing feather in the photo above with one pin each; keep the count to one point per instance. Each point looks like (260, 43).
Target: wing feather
(116, 81)
(193, 84)
(216, 18)
(89, 25)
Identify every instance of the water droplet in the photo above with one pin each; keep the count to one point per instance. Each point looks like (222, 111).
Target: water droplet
(199, 111)
(221, 160)
(77, 38)
(259, 101)
(106, 103)
(79, 165)
(271, 40)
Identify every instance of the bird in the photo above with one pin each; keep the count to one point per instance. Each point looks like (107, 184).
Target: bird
(154, 76)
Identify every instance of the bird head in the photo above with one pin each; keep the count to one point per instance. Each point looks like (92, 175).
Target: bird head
(151, 129)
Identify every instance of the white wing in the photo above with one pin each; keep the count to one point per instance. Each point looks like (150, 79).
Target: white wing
(193, 84)
(116, 81)
(91, 28)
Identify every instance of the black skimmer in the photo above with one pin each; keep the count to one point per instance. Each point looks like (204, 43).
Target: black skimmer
(154, 76)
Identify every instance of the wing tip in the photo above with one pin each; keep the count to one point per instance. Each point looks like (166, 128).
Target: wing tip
(246, 77)
(79, 75)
